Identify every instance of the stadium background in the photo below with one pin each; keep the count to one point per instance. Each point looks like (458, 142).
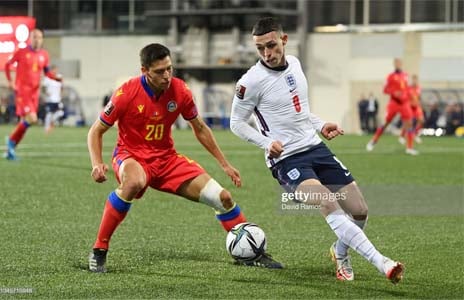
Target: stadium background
(173, 249)
(346, 47)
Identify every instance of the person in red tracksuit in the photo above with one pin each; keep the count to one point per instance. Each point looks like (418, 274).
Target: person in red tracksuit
(26, 86)
(397, 87)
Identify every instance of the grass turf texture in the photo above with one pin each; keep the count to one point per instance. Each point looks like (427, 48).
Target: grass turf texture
(169, 247)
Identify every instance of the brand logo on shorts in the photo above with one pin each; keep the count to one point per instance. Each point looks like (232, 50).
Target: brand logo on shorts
(294, 174)
(172, 106)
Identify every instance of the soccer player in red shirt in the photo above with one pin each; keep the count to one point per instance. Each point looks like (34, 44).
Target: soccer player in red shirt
(397, 87)
(30, 62)
(145, 108)
(414, 91)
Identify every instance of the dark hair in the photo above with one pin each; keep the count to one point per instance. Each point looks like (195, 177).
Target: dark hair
(266, 25)
(151, 53)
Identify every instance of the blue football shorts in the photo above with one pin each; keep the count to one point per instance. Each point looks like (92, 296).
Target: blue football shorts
(316, 163)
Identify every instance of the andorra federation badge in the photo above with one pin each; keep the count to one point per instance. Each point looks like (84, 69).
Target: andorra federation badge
(172, 106)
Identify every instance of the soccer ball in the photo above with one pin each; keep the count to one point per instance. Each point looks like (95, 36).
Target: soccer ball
(246, 242)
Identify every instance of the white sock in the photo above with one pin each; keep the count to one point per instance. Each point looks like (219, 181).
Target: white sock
(341, 249)
(354, 237)
(48, 120)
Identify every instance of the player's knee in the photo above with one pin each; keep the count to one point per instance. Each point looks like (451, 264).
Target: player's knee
(132, 185)
(31, 119)
(327, 207)
(214, 195)
(226, 199)
(362, 209)
(363, 213)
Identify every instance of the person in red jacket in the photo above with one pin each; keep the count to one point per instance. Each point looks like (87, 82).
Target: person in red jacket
(26, 86)
(397, 87)
(417, 113)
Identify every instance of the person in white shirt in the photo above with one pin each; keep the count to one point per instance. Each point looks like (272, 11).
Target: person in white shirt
(53, 105)
(275, 90)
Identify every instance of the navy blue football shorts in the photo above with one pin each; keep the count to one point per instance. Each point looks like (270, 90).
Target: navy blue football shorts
(316, 163)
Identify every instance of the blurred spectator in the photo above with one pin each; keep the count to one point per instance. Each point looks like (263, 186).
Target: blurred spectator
(362, 110)
(431, 116)
(371, 113)
(454, 117)
(3, 110)
(7, 108)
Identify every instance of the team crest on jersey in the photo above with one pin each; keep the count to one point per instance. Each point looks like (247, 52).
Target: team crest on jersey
(293, 174)
(291, 82)
(172, 106)
(240, 91)
(109, 108)
(140, 107)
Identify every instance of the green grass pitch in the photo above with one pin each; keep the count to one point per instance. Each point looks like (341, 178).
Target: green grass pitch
(169, 247)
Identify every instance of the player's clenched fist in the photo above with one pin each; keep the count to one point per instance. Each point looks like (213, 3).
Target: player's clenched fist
(331, 130)
(98, 172)
(275, 149)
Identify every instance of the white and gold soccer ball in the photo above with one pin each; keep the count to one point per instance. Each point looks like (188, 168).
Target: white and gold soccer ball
(246, 242)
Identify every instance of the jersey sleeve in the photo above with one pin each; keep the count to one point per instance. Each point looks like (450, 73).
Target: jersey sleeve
(388, 88)
(115, 107)
(190, 110)
(9, 63)
(245, 100)
(317, 122)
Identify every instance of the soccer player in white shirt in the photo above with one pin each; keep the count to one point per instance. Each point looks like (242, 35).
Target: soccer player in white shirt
(53, 104)
(275, 90)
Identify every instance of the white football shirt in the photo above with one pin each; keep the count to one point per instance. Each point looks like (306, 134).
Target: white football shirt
(278, 98)
(52, 90)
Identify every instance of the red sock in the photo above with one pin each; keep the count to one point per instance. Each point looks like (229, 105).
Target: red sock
(231, 218)
(410, 139)
(229, 224)
(418, 128)
(18, 133)
(377, 134)
(110, 220)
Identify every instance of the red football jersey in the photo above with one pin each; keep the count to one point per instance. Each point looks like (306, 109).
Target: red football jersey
(145, 121)
(30, 64)
(397, 82)
(414, 92)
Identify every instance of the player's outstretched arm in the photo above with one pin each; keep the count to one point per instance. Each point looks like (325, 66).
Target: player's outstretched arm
(95, 145)
(205, 136)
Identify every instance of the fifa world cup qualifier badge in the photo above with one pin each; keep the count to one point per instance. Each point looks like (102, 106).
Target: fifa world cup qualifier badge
(240, 91)
(109, 108)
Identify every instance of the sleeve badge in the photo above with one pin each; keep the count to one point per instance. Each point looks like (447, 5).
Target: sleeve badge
(109, 108)
(240, 91)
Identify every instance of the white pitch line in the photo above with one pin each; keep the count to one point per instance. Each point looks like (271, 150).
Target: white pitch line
(24, 150)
